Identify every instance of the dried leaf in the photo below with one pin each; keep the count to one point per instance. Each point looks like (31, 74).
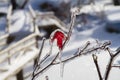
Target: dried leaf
(59, 36)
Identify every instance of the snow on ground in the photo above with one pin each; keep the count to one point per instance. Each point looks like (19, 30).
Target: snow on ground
(113, 12)
(22, 18)
(3, 7)
(81, 68)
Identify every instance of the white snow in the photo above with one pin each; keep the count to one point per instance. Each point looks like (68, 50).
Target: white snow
(20, 21)
(113, 12)
(18, 63)
(83, 67)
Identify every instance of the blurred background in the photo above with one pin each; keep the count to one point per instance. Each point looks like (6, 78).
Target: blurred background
(23, 24)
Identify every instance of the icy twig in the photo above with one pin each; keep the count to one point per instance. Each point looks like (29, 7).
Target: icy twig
(76, 54)
(116, 66)
(84, 51)
(110, 63)
(108, 49)
(45, 67)
(73, 17)
(37, 65)
(97, 66)
(39, 56)
(74, 12)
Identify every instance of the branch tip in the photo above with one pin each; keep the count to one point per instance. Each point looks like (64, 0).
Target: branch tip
(94, 57)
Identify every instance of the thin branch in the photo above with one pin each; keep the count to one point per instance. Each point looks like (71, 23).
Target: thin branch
(116, 66)
(53, 62)
(77, 54)
(81, 52)
(108, 49)
(25, 2)
(117, 53)
(45, 67)
(100, 47)
(110, 64)
(73, 18)
(41, 49)
(97, 66)
(44, 58)
(109, 68)
(38, 58)
(87, 44)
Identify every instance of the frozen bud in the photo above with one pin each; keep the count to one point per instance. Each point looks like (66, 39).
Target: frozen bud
(94, 57)
(75, 10)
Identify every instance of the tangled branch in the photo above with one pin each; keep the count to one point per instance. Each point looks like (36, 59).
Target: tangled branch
(109, 66)
(85, 50)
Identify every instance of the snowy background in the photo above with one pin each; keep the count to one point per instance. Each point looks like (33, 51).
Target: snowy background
(95, 28)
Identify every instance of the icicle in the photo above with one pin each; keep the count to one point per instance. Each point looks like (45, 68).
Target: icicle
(62, 70)
(61, 65)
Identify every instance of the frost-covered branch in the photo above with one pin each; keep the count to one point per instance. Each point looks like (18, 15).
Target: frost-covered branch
(97, 66)
(73, 17)
(37, 73)
(116, 66)
(78, 53)
(110, 63)
(85, 50)
(36, 65)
